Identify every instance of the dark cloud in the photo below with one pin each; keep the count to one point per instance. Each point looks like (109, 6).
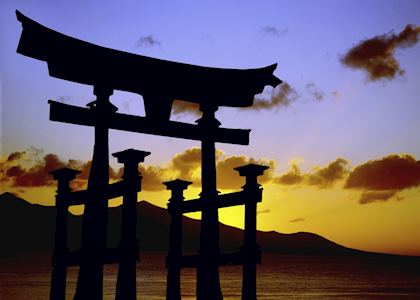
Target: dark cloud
(376, 196)
(38, 175)
(381, 180)
(321, 177)
(297, 220)
(376, 56)
(393, 172)
(147, 41)
(15, 156)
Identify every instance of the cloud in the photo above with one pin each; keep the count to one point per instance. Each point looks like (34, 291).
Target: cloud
(376, 196)
(16, 173)
(264, 211)
(228, 178)
(315, 92)
(393, 172)
(281, 96)
(335, 94)
(376, 56)
(294, 176)
(152, 178)
(327, 176)
(15, 156)
(180, 107)
(381, 180)
(273, 31)
(297, 220)
(147, 41)
(185, 165)
(321, 177)
(186, 162)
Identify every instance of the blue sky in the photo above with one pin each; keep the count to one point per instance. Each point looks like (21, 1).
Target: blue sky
(310, 38)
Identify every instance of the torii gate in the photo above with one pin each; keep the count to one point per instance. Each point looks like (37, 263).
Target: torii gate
(159, 82)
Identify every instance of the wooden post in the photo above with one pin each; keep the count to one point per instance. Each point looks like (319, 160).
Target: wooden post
(251, 251)
(173, 261)
(95, 218)
(208, 283)
(58, 278)
(129, 249)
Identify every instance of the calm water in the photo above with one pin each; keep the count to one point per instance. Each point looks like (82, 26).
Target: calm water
(280, 277)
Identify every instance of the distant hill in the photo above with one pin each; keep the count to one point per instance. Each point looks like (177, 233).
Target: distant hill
(30, 227)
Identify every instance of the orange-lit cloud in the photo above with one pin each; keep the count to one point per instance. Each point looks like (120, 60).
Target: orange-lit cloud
(375, 181)
(376, 56)
(322, 177)
(228, 178)
(185, 165)
(16, 174)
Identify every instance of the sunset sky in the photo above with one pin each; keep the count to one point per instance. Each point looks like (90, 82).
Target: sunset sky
(341, 135)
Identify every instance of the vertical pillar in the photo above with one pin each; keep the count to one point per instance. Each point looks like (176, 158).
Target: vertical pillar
(94, 228)
(208, 283)
(58, 278)
(251, 251)
(129, 249)
(173, 261)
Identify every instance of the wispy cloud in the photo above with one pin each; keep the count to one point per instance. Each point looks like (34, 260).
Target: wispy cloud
(147, 41)
(314, 91)
(281, 96)
(297, 220)
(274, 31)
(264, 211)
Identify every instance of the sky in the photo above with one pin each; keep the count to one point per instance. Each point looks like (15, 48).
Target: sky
(341, 134)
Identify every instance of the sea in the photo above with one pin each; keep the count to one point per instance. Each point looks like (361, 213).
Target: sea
(281, 276)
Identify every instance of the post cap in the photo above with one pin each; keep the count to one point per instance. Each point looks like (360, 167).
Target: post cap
(64, 173)
(251, 169)
(131, 155)
(177, 184)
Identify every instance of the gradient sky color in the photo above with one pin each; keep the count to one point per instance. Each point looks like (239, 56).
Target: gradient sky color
(354, 118)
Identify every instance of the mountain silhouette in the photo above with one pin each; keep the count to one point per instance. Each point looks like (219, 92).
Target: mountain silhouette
(28, 227)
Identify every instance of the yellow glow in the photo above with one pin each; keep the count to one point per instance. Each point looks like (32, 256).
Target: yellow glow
(333, 213)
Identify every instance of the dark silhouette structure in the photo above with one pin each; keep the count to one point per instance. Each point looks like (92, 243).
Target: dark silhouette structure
(107, 70)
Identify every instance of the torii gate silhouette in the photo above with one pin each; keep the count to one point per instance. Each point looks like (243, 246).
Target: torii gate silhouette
(159, 82)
